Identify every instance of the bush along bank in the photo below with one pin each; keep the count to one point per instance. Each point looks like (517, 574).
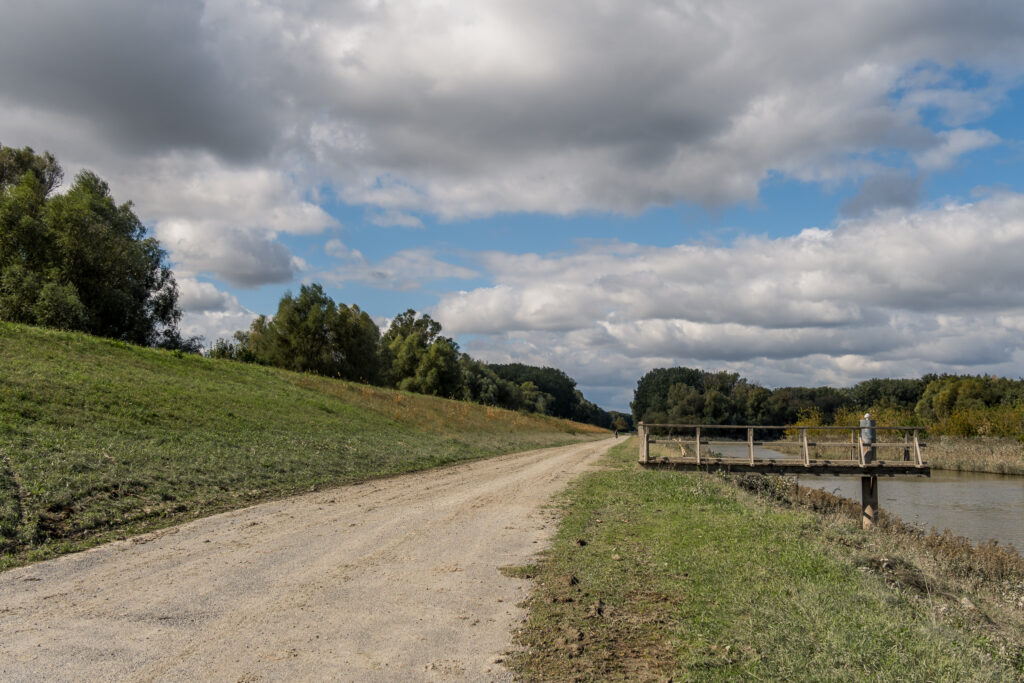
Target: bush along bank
(657, 574)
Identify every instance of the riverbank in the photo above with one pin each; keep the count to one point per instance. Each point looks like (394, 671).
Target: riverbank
(657, 574)
(994, 455)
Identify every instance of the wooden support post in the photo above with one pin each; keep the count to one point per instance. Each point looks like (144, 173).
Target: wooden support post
(750, 444)
(917, 450)
(869, 502)
(641, 433)
(853, 444)
(697, 449)
(807, 452)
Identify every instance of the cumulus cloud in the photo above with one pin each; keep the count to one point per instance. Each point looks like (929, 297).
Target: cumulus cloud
(236, 256)
(404, 270)
(209, 312)
(909, 291)
(228, 125)
(202, 297)
(954, 143)
(465, 110)
(222, 221)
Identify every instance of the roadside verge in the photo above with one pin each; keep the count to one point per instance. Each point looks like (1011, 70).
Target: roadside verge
(662, 574)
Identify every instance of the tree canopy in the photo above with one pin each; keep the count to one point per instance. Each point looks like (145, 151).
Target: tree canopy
(78, 260)
(310, 333)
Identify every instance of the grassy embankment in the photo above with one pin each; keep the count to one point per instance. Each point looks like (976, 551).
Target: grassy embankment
(100, 440)
(657, 574)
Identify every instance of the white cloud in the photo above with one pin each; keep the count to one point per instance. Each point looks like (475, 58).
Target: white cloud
(240, 258)
(209, 312)
(905, 291)
(202, 297)
(221, 220)
(468, 109)
(404, 270)
(955, 143)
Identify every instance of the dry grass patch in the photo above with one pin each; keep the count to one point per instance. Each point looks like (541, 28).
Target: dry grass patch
(996, 455)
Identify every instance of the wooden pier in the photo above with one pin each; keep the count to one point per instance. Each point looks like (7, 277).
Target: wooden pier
(695, 453)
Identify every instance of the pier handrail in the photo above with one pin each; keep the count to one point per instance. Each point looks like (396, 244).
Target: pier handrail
(856, 442)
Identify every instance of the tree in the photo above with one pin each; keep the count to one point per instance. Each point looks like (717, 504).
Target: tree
(651, 394)
(300, 335)
(406, 343)
(437, 370)
(78, 260)
(310, 333)
(356, 340)
(561, 388)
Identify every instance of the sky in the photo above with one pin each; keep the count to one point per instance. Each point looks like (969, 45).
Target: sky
(805, 193)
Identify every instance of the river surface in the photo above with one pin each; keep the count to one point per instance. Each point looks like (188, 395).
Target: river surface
(979, 506)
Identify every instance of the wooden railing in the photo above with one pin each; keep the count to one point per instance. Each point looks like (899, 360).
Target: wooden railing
(861, 452)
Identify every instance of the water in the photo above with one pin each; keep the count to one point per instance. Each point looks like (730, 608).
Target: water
(981, 507)
(978, 506)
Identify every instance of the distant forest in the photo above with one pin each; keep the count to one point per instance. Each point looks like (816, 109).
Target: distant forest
(954, 405)
(312, 333)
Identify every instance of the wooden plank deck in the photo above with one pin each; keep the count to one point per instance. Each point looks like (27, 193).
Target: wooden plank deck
(884, 468)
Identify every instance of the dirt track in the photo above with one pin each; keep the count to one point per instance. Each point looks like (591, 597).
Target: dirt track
(388, 580)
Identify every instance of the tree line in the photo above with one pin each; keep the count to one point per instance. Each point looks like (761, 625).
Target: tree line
(956, 405)
(312, 333)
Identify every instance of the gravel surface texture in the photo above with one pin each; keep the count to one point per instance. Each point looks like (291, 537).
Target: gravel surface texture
(389, 580)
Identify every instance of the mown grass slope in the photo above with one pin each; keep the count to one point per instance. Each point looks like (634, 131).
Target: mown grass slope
(100, 439)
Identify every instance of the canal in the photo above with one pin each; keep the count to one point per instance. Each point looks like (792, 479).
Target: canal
(981, 507)
(978, 506)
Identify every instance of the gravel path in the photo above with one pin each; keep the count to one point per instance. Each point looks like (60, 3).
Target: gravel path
(389, 580)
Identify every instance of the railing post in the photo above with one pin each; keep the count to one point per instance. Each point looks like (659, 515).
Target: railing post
(697, 449)
(917, 450)
(641, 433)
(750, 444)
(803, 440)
(868, 484)
(867, 437)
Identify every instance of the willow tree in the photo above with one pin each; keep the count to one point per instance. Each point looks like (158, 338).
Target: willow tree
(77, 260)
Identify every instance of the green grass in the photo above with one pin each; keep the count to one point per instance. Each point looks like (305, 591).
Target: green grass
(100, 440)
(657, 574)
